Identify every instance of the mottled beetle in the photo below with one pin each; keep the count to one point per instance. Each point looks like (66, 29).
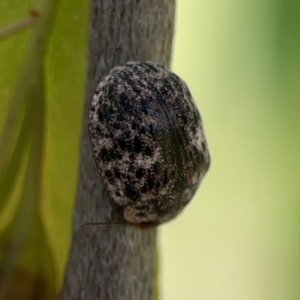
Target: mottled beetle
(148, 141)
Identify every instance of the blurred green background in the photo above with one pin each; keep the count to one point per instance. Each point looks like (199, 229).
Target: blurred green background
(240, 236)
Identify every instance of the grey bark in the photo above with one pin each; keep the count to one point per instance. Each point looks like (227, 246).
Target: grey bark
(114, 261)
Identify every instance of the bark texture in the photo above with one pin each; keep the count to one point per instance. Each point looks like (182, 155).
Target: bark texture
(114, 261)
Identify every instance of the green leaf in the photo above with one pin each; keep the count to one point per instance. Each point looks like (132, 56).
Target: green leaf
(63, 62)
(28, 85)
(25, 255)
(27, 269)
(11, 168)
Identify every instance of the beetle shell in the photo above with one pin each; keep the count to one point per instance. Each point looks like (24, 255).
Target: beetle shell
(148, 141)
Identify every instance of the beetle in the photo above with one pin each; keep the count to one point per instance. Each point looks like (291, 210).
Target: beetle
(148, 141)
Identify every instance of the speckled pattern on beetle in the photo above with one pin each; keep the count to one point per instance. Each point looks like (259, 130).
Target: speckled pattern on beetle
(148, 141)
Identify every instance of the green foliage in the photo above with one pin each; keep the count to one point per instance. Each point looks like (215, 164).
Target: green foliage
(41, 104)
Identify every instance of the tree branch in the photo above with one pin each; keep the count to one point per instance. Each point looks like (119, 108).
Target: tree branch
(114, 261)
